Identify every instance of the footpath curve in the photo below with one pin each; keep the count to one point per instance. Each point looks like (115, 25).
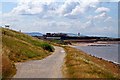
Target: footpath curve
(49, 67)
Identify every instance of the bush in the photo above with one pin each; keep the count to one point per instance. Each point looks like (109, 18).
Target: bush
(47, 47)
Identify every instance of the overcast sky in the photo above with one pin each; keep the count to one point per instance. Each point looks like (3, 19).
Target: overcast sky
(89, 17)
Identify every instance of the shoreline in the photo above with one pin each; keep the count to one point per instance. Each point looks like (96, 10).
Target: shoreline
(96, 43)
(100, 43)
(116, 63)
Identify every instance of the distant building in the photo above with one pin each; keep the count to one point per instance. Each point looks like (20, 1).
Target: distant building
(56, 36)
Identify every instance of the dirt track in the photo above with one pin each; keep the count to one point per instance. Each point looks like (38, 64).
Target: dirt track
(49, 67)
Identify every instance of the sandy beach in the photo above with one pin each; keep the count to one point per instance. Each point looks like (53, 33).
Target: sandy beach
(96, 43)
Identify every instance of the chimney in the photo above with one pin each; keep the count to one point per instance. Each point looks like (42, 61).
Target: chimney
(78, 34)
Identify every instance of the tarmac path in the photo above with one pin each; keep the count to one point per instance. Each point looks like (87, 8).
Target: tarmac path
(49, 67)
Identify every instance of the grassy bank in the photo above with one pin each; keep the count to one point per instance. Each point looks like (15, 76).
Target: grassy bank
(81, 65)
(18, 47)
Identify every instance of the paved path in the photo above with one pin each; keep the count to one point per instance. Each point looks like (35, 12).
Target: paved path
(49, 67)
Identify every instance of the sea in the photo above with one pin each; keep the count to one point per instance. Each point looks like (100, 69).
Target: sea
(110, 52)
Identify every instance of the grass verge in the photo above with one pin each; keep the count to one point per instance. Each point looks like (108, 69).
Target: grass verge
(81, 65)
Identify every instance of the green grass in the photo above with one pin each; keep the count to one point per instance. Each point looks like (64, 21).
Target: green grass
(26, 38)
(20, 47)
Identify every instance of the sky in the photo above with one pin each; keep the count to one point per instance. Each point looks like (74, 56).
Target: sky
(88, 17)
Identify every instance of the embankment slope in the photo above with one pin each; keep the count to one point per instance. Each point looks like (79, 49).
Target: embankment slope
(19, 47)
(81, 65)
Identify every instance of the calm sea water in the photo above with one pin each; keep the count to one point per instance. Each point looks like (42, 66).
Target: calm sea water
(110, 53)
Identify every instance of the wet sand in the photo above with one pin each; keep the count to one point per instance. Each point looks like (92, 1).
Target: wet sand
(96, 43)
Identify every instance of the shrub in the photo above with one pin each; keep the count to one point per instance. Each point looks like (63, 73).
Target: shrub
(47, 47)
